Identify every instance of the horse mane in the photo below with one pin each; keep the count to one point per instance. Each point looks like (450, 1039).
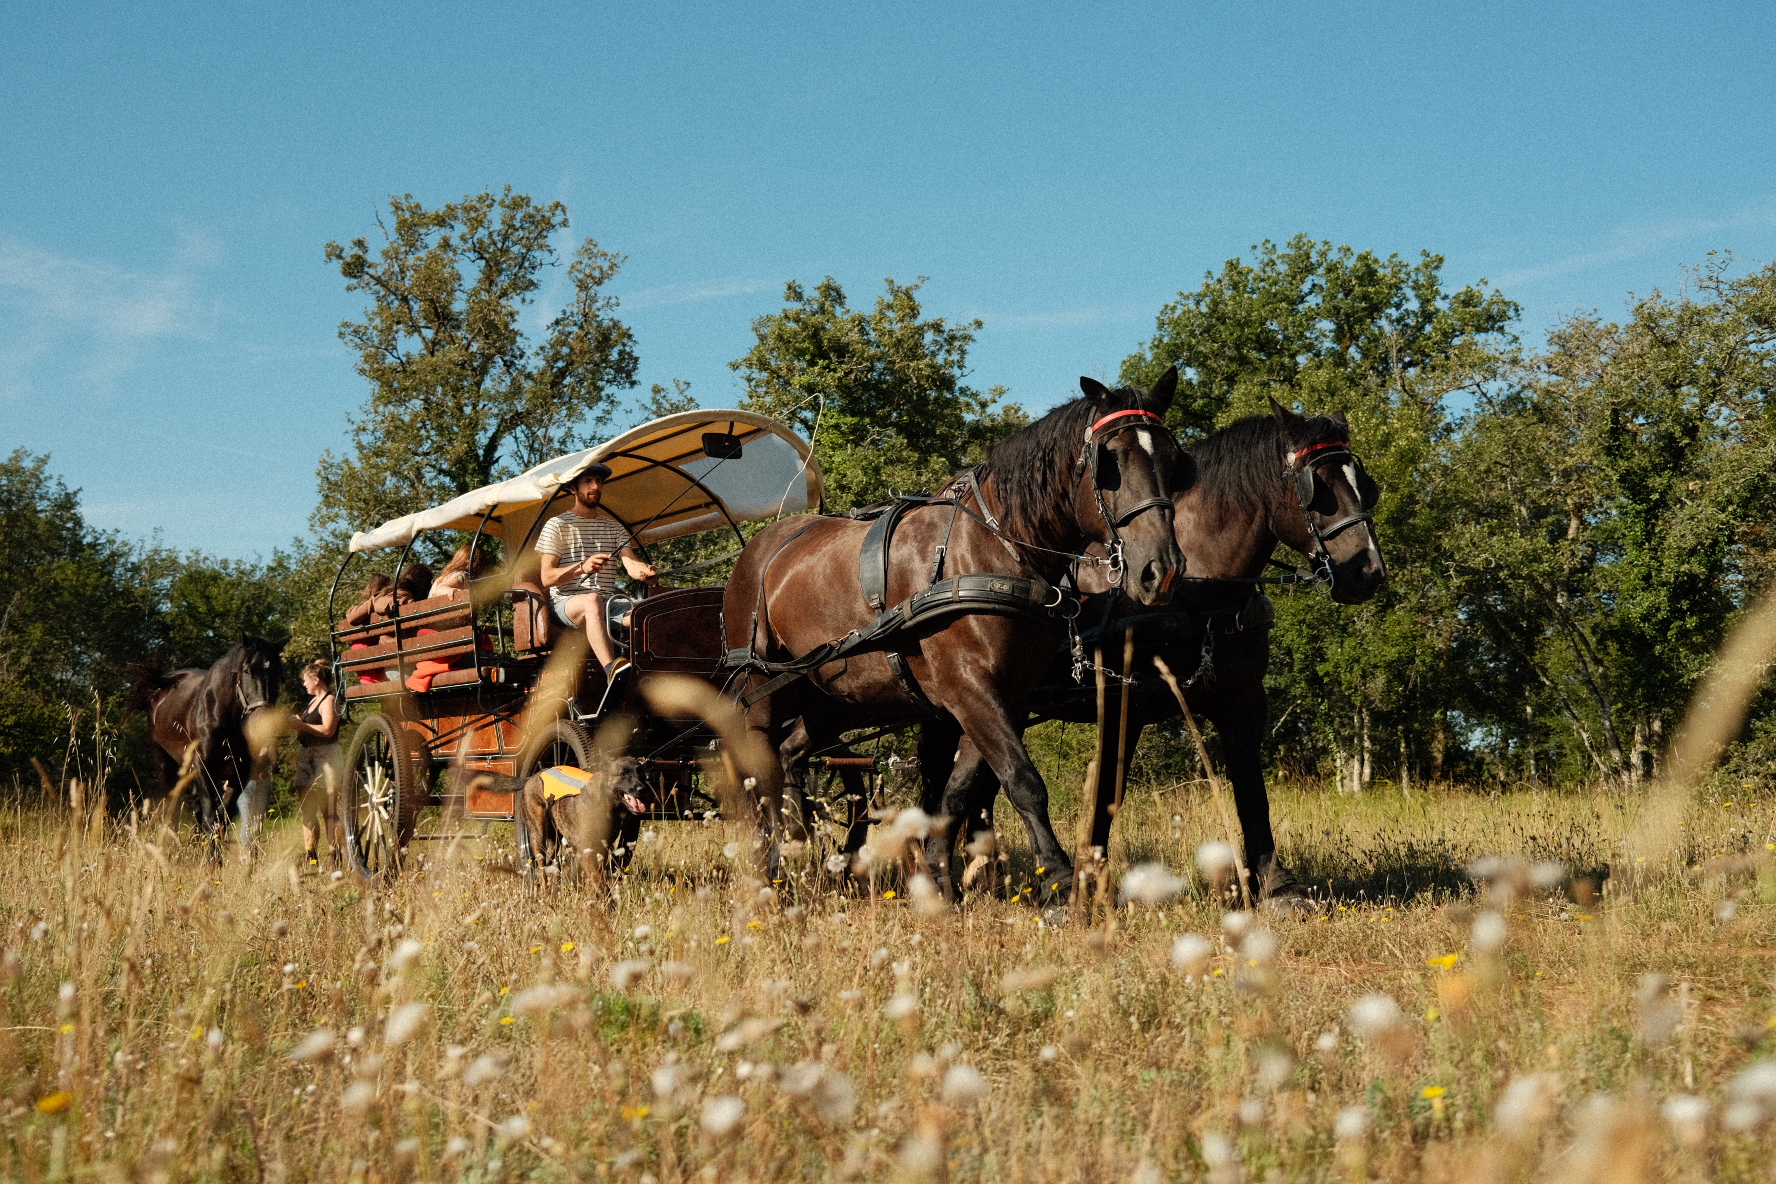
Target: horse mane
(1242, 462)
(146, 681)
(1033, 469)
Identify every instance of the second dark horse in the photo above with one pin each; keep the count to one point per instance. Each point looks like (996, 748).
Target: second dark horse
(210, 708)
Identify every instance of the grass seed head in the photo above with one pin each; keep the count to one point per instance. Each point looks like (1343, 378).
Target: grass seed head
(1489, 933)
(1751, 1098)
(721, 1116)
(1688, 1117)
(1526, 1106)
(314, 1048)
(964, 1087)
(404, 1022)
(1191, 954)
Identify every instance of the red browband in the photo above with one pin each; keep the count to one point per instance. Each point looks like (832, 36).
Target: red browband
(1313, 448)
(1118, 415)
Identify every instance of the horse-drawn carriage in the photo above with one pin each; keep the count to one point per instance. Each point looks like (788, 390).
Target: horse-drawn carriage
(453, 732)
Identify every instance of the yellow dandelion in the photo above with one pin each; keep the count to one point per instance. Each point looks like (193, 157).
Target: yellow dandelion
(67, 1029)
(55, 1103)
(536, 949)
(1431, 1015)
(505, 990)
(567, 947)
(1445, 962)
(888, 895)
(506, 1019)
(634, 1112)
(301, 984)
(760, 924)
(1432, 1092)
(723, 940)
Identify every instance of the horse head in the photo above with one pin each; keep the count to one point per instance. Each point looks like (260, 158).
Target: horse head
(1129, 462)
(1327, 511)
(258, 672)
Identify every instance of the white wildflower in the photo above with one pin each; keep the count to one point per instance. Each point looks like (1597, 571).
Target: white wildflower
(1374, 1016)
(1353, 1123)
(405, 953)
(1489, 933)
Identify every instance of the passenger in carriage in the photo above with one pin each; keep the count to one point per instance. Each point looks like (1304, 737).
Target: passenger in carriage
(414, 583)
(576, 550)
(364, 612)
(456, 577)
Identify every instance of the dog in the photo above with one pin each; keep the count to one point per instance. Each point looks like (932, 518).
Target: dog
(584, 819)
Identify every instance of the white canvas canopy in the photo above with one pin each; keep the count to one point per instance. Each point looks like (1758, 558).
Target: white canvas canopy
(664, 483)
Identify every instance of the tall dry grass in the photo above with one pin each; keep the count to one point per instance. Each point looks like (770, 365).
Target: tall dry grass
(168, 1019)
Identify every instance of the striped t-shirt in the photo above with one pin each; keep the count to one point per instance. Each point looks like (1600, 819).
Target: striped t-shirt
(571, 538)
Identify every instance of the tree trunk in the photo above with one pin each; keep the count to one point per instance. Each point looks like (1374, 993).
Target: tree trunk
(1405, 765)
(1529, 743)
(1365, 747)
(1439, 745)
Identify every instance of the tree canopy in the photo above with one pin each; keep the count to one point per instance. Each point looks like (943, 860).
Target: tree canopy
(460, 397)
(879, 393)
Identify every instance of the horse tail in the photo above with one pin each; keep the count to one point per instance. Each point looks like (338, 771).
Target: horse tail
(147, 683)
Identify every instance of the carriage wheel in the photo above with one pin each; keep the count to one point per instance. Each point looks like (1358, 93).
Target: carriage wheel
(568, 743)
(382, 800)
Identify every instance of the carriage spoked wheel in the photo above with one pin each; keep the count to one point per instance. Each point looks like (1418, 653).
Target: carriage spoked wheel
(382, 799)
(566, 742)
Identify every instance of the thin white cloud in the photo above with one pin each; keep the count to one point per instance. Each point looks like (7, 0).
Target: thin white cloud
(1065, 318)
(1632, 240)
(696, 292)
(104, 313)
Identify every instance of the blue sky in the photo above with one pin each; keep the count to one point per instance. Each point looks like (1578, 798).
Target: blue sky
(168, 324)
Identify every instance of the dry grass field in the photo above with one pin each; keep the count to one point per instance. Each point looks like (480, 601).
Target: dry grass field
(165, 1019)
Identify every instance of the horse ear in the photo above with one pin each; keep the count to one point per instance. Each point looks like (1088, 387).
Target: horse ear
(1338, 418)
(1285, 418)
(1165, 389)
(1094, 390)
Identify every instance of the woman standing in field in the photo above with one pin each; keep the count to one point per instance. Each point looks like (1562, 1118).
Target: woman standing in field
(319, 766)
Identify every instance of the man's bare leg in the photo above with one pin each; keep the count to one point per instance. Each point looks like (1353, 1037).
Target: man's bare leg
(587, 611)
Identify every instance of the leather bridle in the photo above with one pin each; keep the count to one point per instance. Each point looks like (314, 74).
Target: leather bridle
(1090, 455)
(1302, 468)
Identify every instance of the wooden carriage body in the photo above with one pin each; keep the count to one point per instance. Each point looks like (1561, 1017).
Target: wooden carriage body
(442, 692)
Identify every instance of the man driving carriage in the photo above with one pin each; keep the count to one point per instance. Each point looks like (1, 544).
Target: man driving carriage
(575, 550)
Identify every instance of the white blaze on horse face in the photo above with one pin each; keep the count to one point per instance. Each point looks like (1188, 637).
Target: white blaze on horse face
(1145, 439)
(1350, 474)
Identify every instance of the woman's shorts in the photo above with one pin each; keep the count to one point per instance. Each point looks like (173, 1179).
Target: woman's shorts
(312, 763)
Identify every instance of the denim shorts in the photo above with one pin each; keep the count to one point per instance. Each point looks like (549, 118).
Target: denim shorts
(558, 605)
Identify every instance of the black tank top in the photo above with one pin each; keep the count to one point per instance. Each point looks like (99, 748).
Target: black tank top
(312, 715)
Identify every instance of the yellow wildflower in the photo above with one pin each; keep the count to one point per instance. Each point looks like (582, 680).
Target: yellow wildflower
(54, 1103)
(1446, 961)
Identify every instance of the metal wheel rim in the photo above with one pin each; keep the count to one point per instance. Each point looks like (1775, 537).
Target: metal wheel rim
(373, 809)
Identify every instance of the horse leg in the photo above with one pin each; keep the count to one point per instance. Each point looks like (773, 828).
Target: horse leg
(939, 741)
(1241, 725)
(1001, 745)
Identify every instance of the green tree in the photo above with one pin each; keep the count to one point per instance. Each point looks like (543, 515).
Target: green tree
(1329, 328)
(1310, 322)
(880, 393)
(1620, 513)
(74, 608)
(460, 397)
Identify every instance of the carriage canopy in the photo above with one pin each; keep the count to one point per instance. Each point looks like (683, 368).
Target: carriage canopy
(686, 473)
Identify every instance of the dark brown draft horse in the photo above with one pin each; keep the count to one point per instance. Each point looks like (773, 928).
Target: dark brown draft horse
(1259, 481)
(210, 707)
(1097, 469)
